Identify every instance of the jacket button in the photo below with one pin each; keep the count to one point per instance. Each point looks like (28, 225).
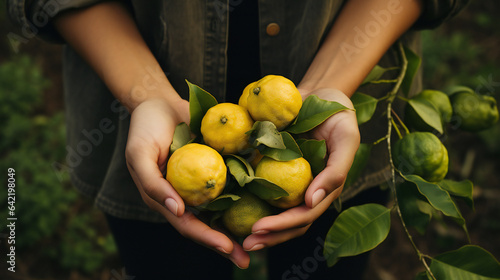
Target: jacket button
(272, 29)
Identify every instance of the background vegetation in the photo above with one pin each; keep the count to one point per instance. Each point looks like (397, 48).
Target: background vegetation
(61, 236)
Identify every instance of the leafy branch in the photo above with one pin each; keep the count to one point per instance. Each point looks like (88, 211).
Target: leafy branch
(390, 121)
(423, 190)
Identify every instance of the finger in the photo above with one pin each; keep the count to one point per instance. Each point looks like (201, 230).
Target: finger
(256, 242)
(239, 256)
(149, 179)
(341, 147)
(147, 176)
(189, 226)
(296, 217)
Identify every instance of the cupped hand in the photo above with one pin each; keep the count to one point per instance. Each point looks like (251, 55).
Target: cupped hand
(151, 132)
(342, 138)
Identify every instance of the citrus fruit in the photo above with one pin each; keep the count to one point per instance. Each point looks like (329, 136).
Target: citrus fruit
(422, 154)
(474, 112)
(244, 96)
(274, 98)
(224, 128)
(240, 217)
(294, 176)
(435, 98)
(197, 172)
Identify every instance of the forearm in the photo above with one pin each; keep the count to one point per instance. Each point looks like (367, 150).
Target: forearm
(106, 36)
(360, 36)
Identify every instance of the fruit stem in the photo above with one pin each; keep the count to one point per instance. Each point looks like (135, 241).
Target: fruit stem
(392, 68)
(256, 90)
(383, 98)
(223, 119)
(379, 140)
(211, 183)
(400, 121)
(384, 81)
(396, 128)
(403, 98)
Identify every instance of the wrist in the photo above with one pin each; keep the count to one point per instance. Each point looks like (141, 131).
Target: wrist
(159, 107)
(148, 85)
(328, 93)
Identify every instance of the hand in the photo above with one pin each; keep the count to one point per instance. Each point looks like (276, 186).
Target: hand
(151, 132)
(342, 138)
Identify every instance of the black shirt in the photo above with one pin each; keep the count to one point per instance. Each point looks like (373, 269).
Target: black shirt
(243, 48)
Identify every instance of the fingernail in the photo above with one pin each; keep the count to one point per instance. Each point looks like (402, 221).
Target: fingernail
(318, 196)
(262, 231)
(171, 205)
(256, 247)
(236, 264)
(222, 250)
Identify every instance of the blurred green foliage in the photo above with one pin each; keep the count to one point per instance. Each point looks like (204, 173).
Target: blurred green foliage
(464, 52)
(455, 58)
(81, 246)
(46, 205)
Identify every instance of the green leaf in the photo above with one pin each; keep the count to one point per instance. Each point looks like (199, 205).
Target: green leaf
(358, 165)
(364, 105)
(291, 151)
(427, 112)
(438, 198)
(424, 275)
(199, 103)
(414, 62)
(265, 133)
(240, 169)
(313, 112)
(375, 74)
(462, 189)
(314, 151)
(182, 136)
(468, 262)
(222, 202)
(456, 89)
(410, 203)
(265, 189)
(357, 230)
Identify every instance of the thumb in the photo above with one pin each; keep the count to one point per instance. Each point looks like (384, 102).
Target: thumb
(150, 181)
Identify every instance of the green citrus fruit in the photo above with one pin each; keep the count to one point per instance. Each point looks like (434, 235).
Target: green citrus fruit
(439, 100)
(240, 217)
(422, 154)
(457, 88)
(474, 112)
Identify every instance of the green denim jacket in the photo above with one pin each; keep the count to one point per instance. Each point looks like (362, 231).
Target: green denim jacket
(189, 40)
